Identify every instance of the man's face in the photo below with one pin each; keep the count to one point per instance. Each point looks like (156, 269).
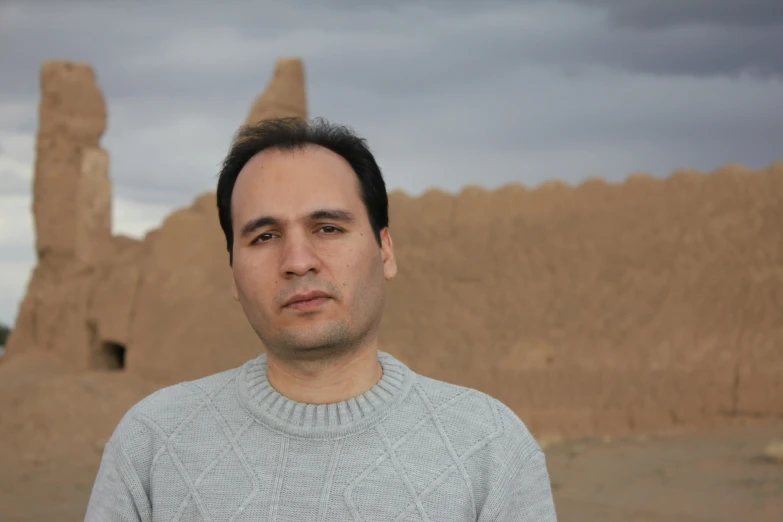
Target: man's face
(308, 270)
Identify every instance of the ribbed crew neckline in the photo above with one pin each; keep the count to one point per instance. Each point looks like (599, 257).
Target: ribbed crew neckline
(280, 413)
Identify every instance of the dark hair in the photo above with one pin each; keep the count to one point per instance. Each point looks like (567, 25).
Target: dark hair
(297, 133)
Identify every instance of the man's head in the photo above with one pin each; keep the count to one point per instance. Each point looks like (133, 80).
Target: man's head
(305, 213)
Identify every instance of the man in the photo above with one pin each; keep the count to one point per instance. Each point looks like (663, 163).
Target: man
(323, 426)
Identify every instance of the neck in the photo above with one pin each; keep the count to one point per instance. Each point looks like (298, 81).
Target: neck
(315, 419)
(325, 381)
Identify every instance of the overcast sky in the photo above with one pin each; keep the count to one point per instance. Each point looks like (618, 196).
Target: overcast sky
(448, 93)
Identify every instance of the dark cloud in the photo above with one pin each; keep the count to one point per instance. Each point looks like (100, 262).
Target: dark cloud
(692, 51)
(656, 14)
(687, 37)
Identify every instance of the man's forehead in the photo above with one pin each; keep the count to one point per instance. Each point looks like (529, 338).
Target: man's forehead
(310, 155)
(285, 168)
(290, 191)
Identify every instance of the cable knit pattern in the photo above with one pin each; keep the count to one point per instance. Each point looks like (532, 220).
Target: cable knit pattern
(229, 447)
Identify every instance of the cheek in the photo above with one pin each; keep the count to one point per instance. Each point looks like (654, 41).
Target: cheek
(358, 268)
(253, 280)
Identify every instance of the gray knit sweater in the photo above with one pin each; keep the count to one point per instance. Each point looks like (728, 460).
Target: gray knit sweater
(229, 447)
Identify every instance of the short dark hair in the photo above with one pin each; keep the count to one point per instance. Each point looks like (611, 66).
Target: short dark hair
(296, 133)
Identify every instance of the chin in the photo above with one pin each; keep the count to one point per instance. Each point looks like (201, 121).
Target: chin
(331, 336)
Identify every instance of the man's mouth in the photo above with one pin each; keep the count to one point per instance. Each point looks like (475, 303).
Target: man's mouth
(306, 301)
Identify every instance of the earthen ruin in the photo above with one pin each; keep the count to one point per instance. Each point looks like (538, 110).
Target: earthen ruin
(596, 308)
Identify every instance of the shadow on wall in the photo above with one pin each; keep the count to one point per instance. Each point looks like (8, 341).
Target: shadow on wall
(5, 332)
(111, 356)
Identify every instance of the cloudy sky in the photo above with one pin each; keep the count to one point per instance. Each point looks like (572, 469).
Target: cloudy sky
(448, 93)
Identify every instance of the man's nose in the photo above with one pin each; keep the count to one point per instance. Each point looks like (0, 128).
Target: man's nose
(299, 255)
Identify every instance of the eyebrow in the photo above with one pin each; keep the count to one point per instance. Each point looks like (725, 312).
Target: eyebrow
(265, 221)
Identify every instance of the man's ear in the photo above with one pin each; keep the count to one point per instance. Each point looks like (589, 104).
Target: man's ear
(234, 292)
(387, 253)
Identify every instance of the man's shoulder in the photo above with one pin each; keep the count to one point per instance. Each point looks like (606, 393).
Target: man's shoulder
(168, 408)
(480, 420)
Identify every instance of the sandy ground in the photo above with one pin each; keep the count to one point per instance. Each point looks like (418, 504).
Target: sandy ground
(49, 456)
(717, 476)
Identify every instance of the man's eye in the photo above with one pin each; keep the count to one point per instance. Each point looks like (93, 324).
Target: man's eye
(330, 229)
(262, 238)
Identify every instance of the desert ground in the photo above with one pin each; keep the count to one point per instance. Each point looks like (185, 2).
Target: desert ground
(721, 475)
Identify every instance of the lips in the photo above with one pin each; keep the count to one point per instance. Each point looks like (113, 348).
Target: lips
(301, 299)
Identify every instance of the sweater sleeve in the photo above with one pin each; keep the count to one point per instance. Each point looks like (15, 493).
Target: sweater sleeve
(524, 494)
(117, 494)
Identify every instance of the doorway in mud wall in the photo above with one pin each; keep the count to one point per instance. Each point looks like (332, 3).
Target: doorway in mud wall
(112, 356)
